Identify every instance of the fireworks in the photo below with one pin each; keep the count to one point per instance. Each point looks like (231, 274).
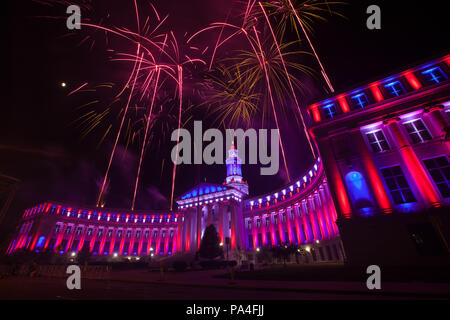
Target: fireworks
(230, 98)
(258, 74)
(301, 14)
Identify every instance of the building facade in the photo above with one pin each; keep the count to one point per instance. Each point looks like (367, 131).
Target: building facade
(301, 214)
(378, 194)
(385, 149)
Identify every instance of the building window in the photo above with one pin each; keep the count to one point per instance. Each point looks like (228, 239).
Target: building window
(395, 88)
(267, 221)
(360, 100)
(335, 252)
(96, 247)
(434, 75)
(146, 234)
(68, 229)
(397, 184)
(135, 248)
(138, 234)
(119, 233)
(313, 253)
(144, 248)
(295, 235)
(417, 131)
(57, 228)
(155, 234)
(40, 243)
(321, 254)
(79, 229)
(377, 141)
(439, 169)
(258, 223)
(329, 110)
(358, 190)
(110, 233)
(292, 215)
(249, 224)
(128, 233)
(89, 232)
(99, 232)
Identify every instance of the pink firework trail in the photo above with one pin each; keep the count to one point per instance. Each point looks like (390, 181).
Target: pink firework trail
(180, 93)
(78, 89)
(145, 137)
(272, 103)
(289, 79)
(120, 129)
(324, 74)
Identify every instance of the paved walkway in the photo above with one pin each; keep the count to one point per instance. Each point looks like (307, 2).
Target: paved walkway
(205, 279)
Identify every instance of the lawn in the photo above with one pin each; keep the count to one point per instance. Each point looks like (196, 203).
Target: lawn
(339, 272)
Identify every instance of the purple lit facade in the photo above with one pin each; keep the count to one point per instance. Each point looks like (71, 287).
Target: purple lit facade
(301, 214)
(380, 190)
(385, 149)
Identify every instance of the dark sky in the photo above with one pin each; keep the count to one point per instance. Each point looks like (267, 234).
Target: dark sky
(39, 146)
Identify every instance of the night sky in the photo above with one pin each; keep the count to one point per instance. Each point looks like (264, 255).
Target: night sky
(40, 146)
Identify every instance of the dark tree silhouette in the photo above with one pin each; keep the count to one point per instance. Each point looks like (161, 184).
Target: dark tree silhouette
(265, 255)
(284, 251)
(210, 244)
(84, 255)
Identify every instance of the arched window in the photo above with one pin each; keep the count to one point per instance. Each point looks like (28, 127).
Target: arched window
(359, 192)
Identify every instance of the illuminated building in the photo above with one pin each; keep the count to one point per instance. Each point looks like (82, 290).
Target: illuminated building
(65, 229)
(381, 185)
(385, 150)
(301, 214)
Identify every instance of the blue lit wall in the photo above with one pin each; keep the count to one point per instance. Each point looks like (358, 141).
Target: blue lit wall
(359, 192)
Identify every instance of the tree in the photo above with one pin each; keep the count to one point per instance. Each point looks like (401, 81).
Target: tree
(265, 255)
(84, 255)
(210, 244)
(284, 251)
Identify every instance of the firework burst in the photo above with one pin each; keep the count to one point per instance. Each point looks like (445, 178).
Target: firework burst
(257, 74)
